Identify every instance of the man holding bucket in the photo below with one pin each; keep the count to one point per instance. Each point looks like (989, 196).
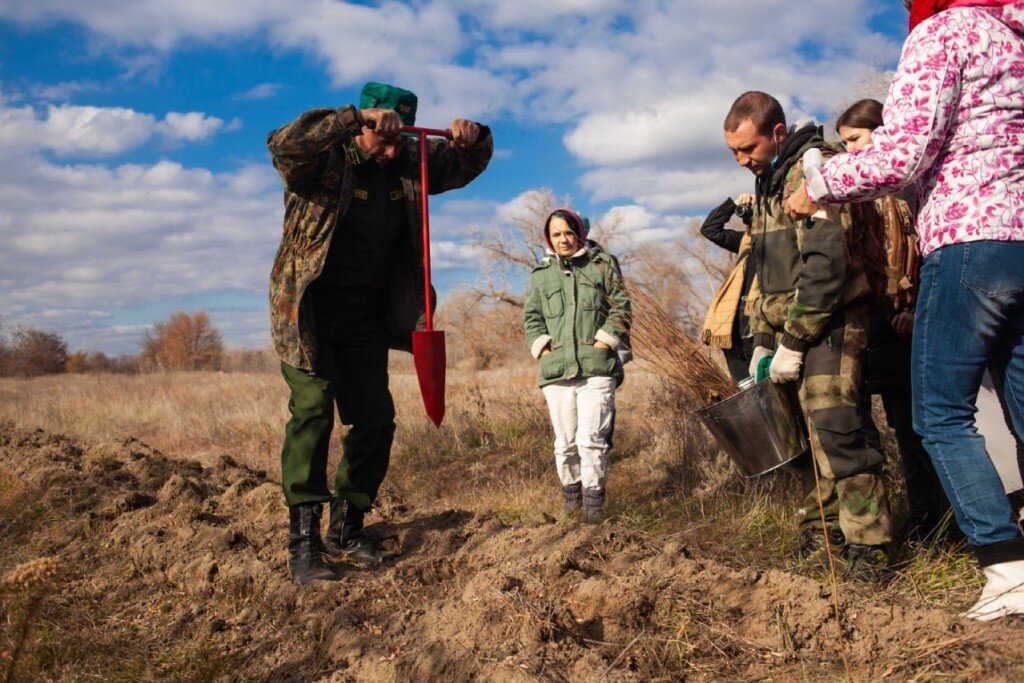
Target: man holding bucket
(810, 317)
(347, 285)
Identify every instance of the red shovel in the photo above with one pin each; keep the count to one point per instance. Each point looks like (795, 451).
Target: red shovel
(428, 345)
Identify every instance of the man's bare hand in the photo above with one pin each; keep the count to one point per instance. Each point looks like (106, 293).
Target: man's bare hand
(601, 345)
(384, 122)
(745, 199)
(799, 205)
(464, 133)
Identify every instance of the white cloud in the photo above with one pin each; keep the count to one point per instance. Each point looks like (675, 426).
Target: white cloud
(263, 91)
(75, 129)
(193, 126)
(69, 129)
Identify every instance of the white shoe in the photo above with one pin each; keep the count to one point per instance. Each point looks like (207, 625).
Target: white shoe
(1003, 593)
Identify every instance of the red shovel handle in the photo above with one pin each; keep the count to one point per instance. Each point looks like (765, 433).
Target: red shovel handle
(436, 132)
(424, 211)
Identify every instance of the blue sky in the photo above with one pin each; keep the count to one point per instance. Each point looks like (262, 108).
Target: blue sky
(136, 181)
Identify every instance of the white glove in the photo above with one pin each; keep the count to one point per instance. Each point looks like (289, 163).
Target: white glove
(759, 353)
(786, 365)
(812, 172)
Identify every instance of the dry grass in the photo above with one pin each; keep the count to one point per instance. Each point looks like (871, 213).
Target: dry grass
(681, 361)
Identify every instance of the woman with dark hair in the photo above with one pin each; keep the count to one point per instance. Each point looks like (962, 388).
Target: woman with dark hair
(577, 317)
(894, 271)
(954, 127)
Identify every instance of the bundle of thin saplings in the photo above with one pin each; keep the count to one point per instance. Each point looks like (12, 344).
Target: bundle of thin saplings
(678, 359)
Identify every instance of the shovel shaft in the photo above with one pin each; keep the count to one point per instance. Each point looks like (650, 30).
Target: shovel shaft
(425, 211)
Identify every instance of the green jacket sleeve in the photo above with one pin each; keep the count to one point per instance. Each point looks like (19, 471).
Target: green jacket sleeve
(453, 167)
(300, 147)
(760, 330)
(533, 317)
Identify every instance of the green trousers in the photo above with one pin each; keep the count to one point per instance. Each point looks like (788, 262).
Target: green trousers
(356, 379)
(851, 488)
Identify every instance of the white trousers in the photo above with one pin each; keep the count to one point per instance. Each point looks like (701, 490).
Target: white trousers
(581, 414)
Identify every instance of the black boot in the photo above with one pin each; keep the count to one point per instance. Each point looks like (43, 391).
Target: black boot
(812, 544)
(868, 563)
(305, 560)
(593, 499)
(346, 540)
(572, 497)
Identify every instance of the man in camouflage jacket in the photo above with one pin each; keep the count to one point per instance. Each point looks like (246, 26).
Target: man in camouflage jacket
(347, 285)
(810, 316)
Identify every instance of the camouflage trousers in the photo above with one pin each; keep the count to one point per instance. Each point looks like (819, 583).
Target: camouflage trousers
(849, 470)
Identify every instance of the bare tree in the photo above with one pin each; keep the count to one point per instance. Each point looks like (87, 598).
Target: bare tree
(183, 342)
(512, 251)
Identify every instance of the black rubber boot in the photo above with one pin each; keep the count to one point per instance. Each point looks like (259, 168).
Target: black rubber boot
(593, 500)
(305, 560)
(345, 539)
(572, 497)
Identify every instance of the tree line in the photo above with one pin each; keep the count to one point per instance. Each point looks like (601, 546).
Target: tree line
(184, 341)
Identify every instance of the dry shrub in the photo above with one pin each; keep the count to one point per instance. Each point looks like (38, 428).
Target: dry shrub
(183, 342)
(28, 352)
(88, 362)
(681, 361)
(263, 360)
(482, 334)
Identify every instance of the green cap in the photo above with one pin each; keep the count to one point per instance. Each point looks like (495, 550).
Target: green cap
(384, 96)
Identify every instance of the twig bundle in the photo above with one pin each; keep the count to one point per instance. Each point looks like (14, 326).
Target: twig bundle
(680, 360)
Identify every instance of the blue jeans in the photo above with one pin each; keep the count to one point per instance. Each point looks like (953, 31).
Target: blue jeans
(970, 311)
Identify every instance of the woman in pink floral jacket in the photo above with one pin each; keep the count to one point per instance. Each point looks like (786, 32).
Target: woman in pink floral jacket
(954, 124)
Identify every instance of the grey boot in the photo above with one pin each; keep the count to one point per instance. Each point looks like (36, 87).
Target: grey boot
(305, 560)
(572, 497)
(346, 540)
(593, 500)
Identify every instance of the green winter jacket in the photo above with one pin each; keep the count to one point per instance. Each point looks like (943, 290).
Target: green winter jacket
(572, 303)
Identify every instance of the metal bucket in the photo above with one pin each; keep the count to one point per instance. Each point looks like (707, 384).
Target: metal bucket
(758, 427)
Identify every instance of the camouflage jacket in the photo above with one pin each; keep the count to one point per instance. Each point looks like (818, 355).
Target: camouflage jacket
(315, 161)
(806, 270)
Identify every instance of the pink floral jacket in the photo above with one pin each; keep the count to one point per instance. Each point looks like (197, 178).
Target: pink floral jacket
(954, 122)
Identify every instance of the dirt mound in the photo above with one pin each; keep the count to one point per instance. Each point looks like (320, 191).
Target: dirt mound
(174, 570)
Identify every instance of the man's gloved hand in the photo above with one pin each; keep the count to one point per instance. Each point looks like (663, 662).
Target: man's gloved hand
(786, 365)
(759, 353)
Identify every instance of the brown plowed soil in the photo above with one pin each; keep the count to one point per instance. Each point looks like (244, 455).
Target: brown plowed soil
(173, 570)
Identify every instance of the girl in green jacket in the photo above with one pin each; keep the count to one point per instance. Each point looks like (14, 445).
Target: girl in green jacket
(577, 319)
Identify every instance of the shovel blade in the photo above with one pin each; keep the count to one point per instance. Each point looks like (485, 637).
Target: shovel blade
(428, 354)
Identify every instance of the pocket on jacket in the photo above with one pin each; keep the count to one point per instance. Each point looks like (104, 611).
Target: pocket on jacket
(552, 365)
(591, 297)
(596, 361)
(553, 302)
